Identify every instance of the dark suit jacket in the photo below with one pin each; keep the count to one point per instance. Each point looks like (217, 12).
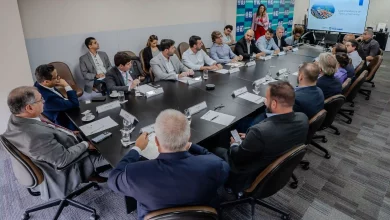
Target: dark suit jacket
(309, 100)
(242, 49)
(264, 143)
(282, 42)
(173, 179)
(329, 85)
(56, 106)
(114, 80)
(147, 56)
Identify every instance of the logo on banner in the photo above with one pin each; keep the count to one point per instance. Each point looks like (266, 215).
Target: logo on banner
(286, 12)
(281, 2)
(292, 2)
(290, 22)
(248, 14)
(270, 3)
(280, 23)
(276, 12)
(256, 3)
(241, 2)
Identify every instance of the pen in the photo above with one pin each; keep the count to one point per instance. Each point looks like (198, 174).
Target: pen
(214, 118)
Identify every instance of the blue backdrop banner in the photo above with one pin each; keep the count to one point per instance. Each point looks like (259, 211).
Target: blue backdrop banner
(280, 13)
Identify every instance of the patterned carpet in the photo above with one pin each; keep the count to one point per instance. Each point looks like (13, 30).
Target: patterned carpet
(353, 184)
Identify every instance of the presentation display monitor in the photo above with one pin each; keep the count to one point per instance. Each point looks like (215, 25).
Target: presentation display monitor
(338, 15)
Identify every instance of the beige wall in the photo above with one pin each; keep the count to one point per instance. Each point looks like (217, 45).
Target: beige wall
(300, 8)
(48, 18)
(14, 64)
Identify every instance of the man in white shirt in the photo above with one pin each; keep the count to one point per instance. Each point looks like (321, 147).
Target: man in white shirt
(56, 103)
(118, 78)
(352, 48)
(227, 35)
(195, 58)
(267, 44)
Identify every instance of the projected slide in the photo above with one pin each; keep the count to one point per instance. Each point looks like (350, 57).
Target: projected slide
(338, 15)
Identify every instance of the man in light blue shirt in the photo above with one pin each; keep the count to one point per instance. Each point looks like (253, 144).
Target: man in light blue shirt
(220, 51)
(267, 43)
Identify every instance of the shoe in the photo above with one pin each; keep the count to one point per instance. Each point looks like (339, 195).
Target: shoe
(96, 178)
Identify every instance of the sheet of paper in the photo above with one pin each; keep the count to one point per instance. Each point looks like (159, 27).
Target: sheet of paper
(252, 97)
(222, 71)
(145, 88)
(101, 78)
(148, 129)
(189, 80)
(108, 106)
(98, 126)
(151, 151)
(218, 117)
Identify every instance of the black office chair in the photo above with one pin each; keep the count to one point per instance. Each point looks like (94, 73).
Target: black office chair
(184, 213)
(373, 68)
(183, 46)
(350, 96)
(30, 175)
(346, 85)
(314, 124)
(270, 181)
(332, 105)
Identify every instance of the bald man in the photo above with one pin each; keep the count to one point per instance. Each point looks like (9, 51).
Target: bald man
(246, 46)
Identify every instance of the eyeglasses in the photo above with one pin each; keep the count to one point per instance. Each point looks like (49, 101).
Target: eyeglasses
(41, 100)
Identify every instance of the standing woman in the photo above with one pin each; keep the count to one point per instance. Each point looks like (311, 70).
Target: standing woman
(260, 22)
(151, 50)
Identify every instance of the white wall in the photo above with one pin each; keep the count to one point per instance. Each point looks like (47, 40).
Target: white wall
(300, 9)
(14, 65)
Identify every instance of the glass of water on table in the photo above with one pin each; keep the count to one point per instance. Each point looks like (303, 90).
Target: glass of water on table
(205, 74)
(256, 88)
(121, 96)
(188, 115)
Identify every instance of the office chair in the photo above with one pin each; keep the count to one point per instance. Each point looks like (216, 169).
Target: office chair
(64, 72)
(183, 46)
(141, 57)
(314, 124)
(204, 49)
(360, 68)
(233, 47)
(178, 54)
(130, 53)
(151, 74)
(373, 68)
(332, 105)
(270, 181)
(30, 175)
(345, 86)
(184, 213)
(350, 96)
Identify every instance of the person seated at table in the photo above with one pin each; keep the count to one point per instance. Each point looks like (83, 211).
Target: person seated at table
(63, 159)
(56, 103)
(368, 46)
(267, 44)
(353, 54)
(227, 36)
(329, 85)
(94, 65)
(309, 99)
(264, 142)
(348, 37)
(166, 65)
(296, 36)
(246, 46)
(342, 62)
(195, 57)
(341, 48)
(183, 174)
(221, 52)
(280, 39)
(119, 78)
(151, 50)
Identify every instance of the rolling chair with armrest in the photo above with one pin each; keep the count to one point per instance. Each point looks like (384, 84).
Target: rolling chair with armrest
(30, 175)
(64, 72)
(345, 86)
(373, 68)
(332, 105)
(350, 96)
(270, 181)
(184, 213)
(130, 53)
(183, 46)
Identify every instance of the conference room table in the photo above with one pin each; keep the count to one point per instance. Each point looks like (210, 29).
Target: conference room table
(180, 96)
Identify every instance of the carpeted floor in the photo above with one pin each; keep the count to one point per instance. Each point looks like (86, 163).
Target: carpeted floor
(353, 184)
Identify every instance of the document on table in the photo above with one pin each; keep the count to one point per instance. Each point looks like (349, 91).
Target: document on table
(222, 71)
(151, 151)
(101, 78)
(189, 80)
(252, 97)
(145, 88)
(219, 118)
(149, 129)
(98, 126)
(237, 64)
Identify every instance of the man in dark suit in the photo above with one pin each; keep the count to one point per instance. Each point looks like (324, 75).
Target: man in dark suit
(329, 85)
(264, 142)
(183, 174)
(119, 78)
(246, 46)
(279, 39)
(56, 104)
(309, 99)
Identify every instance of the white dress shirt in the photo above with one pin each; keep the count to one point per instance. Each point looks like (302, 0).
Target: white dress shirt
(170, 67)
(196, 61)
(98, 63)
(127, 78)
(67, 88)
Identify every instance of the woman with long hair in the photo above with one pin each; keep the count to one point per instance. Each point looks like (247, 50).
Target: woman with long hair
(151, 50)
(260, 21)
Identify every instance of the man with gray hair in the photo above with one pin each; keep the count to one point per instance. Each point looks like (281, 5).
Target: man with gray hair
(183, 174)
(369, 48)
(63, 159)
(280, 39)
(329, 85)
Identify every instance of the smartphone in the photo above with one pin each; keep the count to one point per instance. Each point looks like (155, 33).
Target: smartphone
(236, 136)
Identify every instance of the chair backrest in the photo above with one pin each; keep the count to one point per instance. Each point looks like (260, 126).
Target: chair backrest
(26, 172)
(204, 48)
(359, 68)
(332, 105)
(380, 52)
(233, 47)
(277, 174)
(151, 74)
(64, 72)
(314, 124)
(130, 53)
(354, 88)
(141, 57)
(373, 67)
(346, 85)
(185, 213)
(178, 54)
(183, 46)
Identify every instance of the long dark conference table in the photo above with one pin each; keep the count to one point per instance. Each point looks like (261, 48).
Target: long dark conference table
(180, 96)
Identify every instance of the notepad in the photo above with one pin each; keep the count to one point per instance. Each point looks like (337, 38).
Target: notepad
(189, 80)
(222, 71)
(145, 88)
(252, 97)
(218, 117)
(98, 126)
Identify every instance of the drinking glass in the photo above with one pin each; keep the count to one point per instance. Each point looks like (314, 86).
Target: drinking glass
(125, 137)
(205, 74)
(188, 115)
(121, 96)
(256, 88)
